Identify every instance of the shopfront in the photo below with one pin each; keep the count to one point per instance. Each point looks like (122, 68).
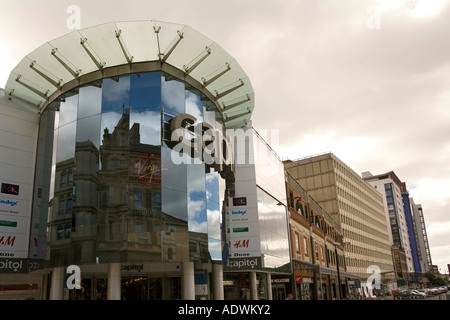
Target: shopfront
(144, 287)
(139, 281)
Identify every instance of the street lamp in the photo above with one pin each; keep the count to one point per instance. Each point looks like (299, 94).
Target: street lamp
(337, 267)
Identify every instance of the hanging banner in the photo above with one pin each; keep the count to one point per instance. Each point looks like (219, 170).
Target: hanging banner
(14, 222)
(243, 234)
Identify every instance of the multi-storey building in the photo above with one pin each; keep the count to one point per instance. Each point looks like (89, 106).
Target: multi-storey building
(317, 249)
(421, 237)
(355, 206)
(389, 185)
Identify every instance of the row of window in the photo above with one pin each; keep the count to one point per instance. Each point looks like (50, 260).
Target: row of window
(350, 179)
(67, 178)
(359, 200)
(355, 211)
(66, 202)
(303, 248)
(364, 228)
(312, 216)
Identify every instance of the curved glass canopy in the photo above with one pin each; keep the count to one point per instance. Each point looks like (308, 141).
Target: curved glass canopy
(116, 48)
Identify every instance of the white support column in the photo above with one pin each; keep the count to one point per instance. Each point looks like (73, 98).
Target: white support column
(187, 281)
(269, 287)
(218, 281)
(114, 285)
(57, 285)
(253, 286)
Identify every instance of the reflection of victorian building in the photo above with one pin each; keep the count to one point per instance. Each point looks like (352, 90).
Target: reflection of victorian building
(73, 209)
(132, 226)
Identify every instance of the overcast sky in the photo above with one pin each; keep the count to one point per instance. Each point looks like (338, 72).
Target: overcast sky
(368, 80)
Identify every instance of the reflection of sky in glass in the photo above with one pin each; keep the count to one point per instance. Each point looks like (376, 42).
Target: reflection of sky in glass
(150, 124)
(89, 109)
(173, 186)
(68, 110)
(194, 105)
(197, 212)
(215, 249)
(172, 96)
(87, 130)
(273, 231)
(89, 101)
(115, 94)
(213, 205)
(196, 197)
(145, 101)
(110, 120)
(67, 128)
(145, 90)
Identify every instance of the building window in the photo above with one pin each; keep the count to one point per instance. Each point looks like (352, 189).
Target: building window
(317, 252)
(110, 195)
(305, 244)
(297, 243)
(68, 229)
(69, 205)
(66, 178)
(59, 232)
(70, 178)
(62, 206)
(110, 229)
(137, 199)
(63, 179)
(299, 207)
(114, 164)
(291, 199)
(156, 202)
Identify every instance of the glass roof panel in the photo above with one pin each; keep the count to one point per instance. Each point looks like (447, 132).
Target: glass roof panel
(140, 40)
(46, 63)
(88, 52)
(104, 44)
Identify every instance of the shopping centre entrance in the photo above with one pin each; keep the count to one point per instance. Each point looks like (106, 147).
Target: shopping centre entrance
(132, 288)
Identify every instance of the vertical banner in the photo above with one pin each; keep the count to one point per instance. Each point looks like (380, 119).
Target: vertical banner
(243, 234)
(14, 222)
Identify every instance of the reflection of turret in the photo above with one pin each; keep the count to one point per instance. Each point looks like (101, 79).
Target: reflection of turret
(73, 209)
(85, 208)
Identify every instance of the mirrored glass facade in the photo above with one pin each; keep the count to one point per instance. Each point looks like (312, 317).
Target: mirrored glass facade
(115, 193)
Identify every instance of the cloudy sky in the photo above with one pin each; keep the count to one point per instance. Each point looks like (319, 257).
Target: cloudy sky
(368, 80)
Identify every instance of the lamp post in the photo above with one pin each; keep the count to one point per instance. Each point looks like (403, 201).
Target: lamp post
(337, 267)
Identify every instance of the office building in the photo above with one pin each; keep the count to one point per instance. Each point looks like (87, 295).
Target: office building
(355, 206)
(389, 185)
(421, 237)
(317, 246)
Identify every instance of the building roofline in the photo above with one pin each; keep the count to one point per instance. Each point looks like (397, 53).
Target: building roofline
(116, 48)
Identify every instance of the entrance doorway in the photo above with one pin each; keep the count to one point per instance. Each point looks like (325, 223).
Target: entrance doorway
(278, 291)
(141, 288)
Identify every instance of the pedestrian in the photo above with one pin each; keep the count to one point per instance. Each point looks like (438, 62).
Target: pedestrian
(243, 295)
(290, 296)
